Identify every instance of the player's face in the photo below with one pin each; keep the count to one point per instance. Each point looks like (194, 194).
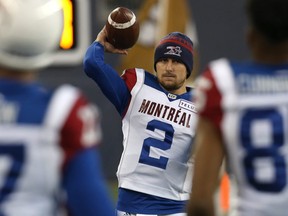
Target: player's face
(171, 75)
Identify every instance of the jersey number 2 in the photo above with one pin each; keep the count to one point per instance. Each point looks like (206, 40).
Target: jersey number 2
(164, 145)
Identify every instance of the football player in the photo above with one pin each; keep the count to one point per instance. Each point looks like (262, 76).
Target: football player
(48, 138)
(243, 107)
(158, 125)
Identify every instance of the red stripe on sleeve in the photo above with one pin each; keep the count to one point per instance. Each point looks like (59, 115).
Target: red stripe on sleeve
(129, 76)
(73, 132)
(209, 98)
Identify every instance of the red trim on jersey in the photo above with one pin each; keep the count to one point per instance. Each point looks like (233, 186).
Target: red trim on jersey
(212, 108)
(130, 78)
(72, 130)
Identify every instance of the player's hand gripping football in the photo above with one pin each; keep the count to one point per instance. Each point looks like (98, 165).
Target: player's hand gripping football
(108, 47)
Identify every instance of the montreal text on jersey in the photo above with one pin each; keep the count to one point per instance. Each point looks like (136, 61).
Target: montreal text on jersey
(178, 116)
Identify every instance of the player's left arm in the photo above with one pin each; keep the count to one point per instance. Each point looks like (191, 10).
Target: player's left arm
(85, 186)
(209, 149)
(209, 153)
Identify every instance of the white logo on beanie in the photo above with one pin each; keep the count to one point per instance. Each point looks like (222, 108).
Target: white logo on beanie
(173, 50)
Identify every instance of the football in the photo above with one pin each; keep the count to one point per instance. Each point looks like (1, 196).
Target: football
(122, 28)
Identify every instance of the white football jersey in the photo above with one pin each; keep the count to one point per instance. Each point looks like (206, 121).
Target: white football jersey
(31, 156)
(158, 129)
(249, 104)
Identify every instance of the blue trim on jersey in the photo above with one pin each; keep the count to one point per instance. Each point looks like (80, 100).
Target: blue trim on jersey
(30, 99)
(136, 202)
(252, 68)
(253, 78)
(108, 79)
(87, 192)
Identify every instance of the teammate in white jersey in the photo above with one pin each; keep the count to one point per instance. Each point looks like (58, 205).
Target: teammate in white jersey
(48, 158)
(244, 109)
(158, 121)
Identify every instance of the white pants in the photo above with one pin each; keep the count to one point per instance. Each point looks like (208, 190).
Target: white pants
(120, 213)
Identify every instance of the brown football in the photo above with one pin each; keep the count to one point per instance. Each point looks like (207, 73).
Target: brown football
(122, 28)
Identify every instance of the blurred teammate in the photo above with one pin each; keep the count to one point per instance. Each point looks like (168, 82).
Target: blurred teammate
(47, 138)
(158, 125)
(244, 109)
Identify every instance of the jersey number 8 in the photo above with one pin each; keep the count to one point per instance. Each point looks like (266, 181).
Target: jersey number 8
(271, 151)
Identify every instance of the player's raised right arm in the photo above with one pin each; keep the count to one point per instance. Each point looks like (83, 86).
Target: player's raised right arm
(107, 78)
